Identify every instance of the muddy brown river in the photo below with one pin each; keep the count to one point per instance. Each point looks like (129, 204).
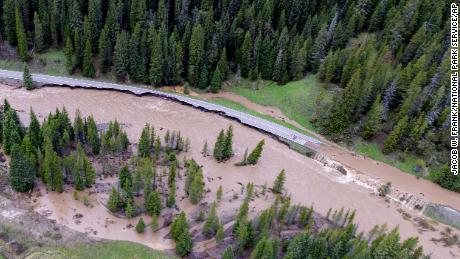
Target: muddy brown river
(307, 181)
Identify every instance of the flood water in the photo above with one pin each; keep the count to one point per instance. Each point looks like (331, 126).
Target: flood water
(308, 181)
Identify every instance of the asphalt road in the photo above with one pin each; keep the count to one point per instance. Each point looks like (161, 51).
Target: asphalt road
(244, 118)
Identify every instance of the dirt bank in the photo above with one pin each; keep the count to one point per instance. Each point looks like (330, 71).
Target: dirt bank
(308, 181)
(22, 229)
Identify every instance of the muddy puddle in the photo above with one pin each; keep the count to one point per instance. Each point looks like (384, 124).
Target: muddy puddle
(308, 181)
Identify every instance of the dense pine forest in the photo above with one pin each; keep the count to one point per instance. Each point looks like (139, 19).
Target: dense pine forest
(385, 60)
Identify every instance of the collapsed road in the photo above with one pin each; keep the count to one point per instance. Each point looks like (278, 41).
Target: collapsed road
(283, 133)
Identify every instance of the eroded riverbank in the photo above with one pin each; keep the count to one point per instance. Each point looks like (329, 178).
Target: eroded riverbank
(360, 164)
(308, 181)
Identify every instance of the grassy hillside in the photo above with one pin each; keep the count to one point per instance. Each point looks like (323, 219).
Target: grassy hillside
(50, 62)
(101, 250)
(297, 100)
(373, 150)
(240, 107)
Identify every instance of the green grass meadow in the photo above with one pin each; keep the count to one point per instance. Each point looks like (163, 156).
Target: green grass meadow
(101, 250)
(295, 99)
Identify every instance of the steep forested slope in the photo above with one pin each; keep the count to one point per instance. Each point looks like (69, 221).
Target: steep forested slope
(388, 58)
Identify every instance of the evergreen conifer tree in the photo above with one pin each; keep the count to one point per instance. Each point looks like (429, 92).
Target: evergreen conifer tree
(93, 136)
(105, 49)
(179, 225)
(228, 253)
(88, 63)
(69, 55)
(12, 129)
(197, 190)
(242, 216)
(227, 150)
(243, 236)
(27, 81)
(278, 185)
(156, 62)
(31, 153)
(9, 21)
(196, 49)
(245, 55)
(114, 201)
(84, 168)
(220, 235)
(129, 210)
(125, 177)
(216, 80)
(171, 201)
(392, 142)
(79, 127)
(52, 168)
(94, 22)
(153, 205)
(222, 65)
(256, 153)
(34, 130)
(203, 77)
(263, 249)
(39, 37)
(121, 55)
(373, 120)
(157, 148)
(219, 146)
(212, 222)
(140, 226)
(279, 68)
(154, 224)
(172, 172)
(21, 36)
(185, 244)
(137, 60)
(22, 174)
(144, 142)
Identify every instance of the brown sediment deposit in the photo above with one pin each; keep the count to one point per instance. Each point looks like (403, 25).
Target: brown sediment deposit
(307, 180)
(95, 219)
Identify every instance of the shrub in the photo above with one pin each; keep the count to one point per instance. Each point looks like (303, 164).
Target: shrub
(184, 245)
(219, 193)
(186, 89)
(86, 201)
(154, 225)
(420, 165)
(385, 189)
(200, 217)
(75, 195)
(140, 227)
(220, 235)
(129, 210)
